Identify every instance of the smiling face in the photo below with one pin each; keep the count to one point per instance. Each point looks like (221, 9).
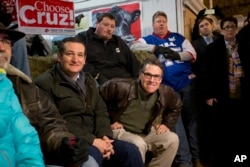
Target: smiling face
(5, 51)
(72, 59)
(150, 78)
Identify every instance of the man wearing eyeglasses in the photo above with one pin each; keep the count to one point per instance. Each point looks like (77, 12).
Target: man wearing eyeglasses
(19, 141)
(144, 112)
(223, 85)
(176, 54)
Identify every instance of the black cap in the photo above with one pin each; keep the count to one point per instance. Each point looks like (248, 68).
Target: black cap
(13, 34)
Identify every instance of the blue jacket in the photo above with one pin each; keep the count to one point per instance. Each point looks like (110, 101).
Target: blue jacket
(176, 73)
(19, 142)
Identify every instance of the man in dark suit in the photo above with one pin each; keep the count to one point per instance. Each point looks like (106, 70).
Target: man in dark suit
(205, 27)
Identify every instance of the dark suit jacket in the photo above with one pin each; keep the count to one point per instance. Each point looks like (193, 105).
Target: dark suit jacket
(200, 48)
(214, 72)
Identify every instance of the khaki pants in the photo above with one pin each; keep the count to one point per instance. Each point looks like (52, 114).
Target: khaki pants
(167, 144)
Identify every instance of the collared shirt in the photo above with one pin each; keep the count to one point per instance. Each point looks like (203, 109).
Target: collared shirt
(208, 39)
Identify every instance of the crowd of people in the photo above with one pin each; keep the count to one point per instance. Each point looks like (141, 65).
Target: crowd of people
(99, 106)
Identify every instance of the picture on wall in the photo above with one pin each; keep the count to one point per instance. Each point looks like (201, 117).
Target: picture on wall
(128, 22)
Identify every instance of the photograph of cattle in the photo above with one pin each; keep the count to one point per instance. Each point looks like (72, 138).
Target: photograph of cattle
(81, 21)
(128, 24)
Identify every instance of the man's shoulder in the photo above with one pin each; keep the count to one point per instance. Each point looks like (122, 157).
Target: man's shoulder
(13, 72)
(119, 82)
(45, 77)
(86, 33)
(244, 31)
(122, 80)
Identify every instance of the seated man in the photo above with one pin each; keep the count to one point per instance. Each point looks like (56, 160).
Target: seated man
(76, 97)
(143, 112)
(176, 54)
(19, 141)
(42, 113)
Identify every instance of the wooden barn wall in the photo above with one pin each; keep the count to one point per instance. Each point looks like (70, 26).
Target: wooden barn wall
(231, 7)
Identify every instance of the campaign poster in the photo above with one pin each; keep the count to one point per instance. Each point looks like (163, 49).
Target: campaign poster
(128, 22)
(11, 9)
(46, 17)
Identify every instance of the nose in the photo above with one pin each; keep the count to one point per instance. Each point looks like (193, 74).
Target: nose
(2, 47)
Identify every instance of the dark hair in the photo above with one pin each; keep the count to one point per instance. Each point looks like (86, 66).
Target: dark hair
(61, 47)
(159, 13)
(151, 61)
(204, 18)
(230, 19)
(100, 16)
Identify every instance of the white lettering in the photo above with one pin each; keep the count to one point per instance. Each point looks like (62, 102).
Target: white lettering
(48, 14)
(240, 158)
(50, 21)
(42, 6)
(63, 19)
(22, 14)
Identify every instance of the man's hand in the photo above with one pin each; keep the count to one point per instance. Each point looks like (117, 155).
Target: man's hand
(105, 147)
(109, 150)
(167, 53)
(116, 125)
(74, 150)
(161, 129)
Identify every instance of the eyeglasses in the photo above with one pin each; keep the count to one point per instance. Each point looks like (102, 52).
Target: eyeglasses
(233, 27)
(149, 76)
(6, 42)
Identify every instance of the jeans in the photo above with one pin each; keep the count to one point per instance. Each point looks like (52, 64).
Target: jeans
(91, 162)
(126, 155)
(186, 127)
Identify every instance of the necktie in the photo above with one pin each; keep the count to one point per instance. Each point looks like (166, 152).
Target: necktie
(208, 40)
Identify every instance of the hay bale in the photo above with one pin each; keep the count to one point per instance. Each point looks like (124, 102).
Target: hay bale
(39, 64)
(142, 55)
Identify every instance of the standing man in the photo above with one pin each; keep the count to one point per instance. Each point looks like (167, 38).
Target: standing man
(108, 56)
(205, 27)
(78, 101)
(176, 53)
(144, 112)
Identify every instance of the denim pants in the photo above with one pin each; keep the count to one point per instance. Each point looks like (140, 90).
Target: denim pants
(126, 155)
(91, 162)
(186, 127)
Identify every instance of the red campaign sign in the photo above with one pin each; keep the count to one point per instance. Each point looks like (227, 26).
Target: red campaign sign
(46, 17)
(12, 8)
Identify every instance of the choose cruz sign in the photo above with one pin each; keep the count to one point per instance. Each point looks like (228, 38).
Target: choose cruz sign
(47, 17)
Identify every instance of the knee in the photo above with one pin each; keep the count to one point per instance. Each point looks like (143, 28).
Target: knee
(172, 140)
(142, 146)
(131, 148)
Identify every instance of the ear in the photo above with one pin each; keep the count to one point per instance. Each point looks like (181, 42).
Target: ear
(135, 15)
(59, 57)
